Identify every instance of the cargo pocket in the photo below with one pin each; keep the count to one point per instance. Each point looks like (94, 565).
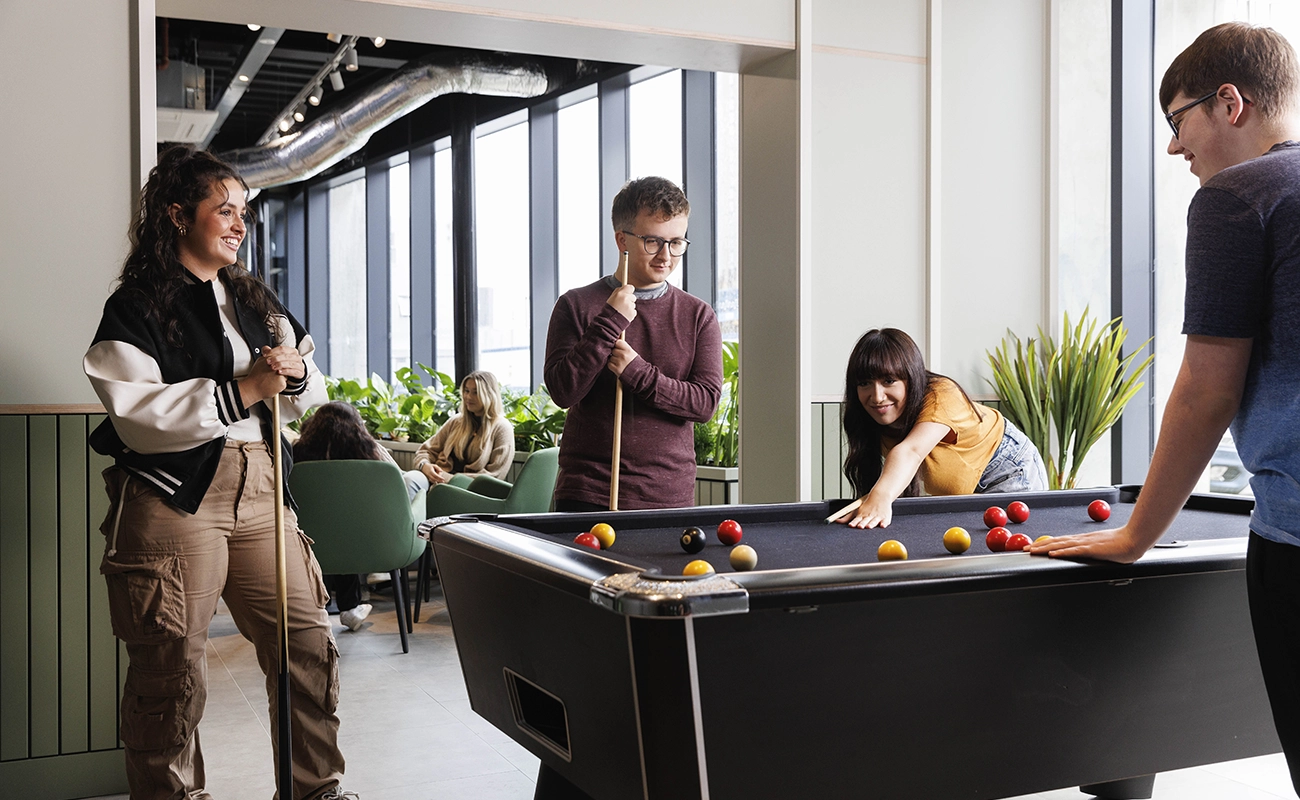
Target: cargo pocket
(146, 596)
(159, 707)
(315, 579)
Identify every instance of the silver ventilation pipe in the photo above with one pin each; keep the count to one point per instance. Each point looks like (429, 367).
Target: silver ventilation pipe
(328, 139)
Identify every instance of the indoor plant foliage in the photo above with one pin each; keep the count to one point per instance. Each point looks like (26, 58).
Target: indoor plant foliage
(717, 440)
(538, 422)
(406, 410)
(1077, 386)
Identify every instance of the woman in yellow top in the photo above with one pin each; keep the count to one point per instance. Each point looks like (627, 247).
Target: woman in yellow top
(908, 428)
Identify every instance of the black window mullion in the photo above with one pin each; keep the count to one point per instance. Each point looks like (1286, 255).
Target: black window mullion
(543, 196)
(698, 133)
(464, 266)
(378, 283)
(423, 305)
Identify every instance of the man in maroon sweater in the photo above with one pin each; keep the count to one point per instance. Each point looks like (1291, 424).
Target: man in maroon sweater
(670, 364)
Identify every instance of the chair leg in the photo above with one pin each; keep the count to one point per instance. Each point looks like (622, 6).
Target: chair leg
(421, 585)
(406, 599)
(399, 600)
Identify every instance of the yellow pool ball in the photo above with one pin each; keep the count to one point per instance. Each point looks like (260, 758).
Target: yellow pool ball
(1042, 538)
(891, 550)
(604, 534)
(956, 540)
(698, 567)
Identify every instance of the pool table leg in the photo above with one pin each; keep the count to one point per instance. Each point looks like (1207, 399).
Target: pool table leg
(1139, 788)
(551, 785)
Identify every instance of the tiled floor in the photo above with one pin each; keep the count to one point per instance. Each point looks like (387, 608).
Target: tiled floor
(409, 734)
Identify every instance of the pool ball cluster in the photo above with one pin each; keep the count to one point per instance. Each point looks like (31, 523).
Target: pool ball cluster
(743, 557)
(999, 539)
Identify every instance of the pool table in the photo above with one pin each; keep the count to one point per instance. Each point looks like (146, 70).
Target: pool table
(824, 673)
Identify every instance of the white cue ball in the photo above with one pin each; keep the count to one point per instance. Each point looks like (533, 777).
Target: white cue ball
(743, 558)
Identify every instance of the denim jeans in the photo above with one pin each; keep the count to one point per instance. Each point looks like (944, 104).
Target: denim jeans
(1016, 466)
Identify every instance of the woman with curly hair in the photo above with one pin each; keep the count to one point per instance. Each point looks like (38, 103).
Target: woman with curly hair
(190, 352)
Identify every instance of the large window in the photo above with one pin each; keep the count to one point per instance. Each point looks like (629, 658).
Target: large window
(727, 203)
(399, 265)
(347, 280)
(501, 242)
(578, 213)
(654, 112)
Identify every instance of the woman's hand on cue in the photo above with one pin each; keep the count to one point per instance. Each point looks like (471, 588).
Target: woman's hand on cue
(286, 361)
(622, 355)
(261, 383)
(874, 512)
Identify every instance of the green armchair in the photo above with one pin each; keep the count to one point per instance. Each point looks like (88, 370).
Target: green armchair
(529, 494)
(360, 520)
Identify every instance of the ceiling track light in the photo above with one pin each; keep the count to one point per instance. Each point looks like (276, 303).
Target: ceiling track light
(253, 26)
(285, 125)
(316, 94)
(300, 113)
(336, 81)
(350, 60)
(379, 41)
(334, 37)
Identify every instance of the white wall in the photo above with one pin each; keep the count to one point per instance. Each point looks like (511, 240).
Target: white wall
(66, 155)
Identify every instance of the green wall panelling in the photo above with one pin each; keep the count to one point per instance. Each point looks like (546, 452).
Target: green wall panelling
(80, 775)
(13, 588)
(74, 577)
(43, 585)
(105, 675)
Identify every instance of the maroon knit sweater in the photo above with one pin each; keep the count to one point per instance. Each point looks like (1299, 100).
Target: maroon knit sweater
(675, 382)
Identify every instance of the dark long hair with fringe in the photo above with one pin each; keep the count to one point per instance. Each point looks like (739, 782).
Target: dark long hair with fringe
(883, 353)
(186, 177)
(335, 432)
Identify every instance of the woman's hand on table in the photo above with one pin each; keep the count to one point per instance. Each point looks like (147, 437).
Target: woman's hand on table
(874, 512)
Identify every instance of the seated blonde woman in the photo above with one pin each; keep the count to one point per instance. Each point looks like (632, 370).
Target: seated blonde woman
(477, 441)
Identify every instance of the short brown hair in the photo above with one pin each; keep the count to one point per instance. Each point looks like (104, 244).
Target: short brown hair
(1259, 61)
(653, 195)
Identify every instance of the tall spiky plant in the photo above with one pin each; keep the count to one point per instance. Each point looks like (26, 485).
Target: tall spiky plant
(1079, 384)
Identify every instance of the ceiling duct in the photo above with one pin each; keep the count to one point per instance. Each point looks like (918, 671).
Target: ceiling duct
(340, 132)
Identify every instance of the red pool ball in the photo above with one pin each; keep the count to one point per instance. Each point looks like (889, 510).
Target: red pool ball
(994, 517)
(1017, 512)
(1018, 541)
(997, 539)
(587, 540)
(729, 532)
(1099, 510)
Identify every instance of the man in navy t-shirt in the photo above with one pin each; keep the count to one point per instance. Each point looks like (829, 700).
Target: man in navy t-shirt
(1231, 100)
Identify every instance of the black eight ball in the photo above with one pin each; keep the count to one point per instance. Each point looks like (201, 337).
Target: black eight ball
(692, 540)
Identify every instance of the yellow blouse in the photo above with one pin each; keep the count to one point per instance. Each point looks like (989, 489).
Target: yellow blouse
(956, 468)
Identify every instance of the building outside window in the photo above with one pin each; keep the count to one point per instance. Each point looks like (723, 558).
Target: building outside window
(347, 280)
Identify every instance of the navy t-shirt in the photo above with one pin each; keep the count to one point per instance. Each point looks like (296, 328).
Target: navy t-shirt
(1243, 281)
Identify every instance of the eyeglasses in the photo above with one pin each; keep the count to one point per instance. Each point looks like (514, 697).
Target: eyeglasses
(1169, 117)
(653, 244)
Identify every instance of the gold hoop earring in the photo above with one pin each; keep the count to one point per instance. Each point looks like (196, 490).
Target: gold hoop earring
(184, 231)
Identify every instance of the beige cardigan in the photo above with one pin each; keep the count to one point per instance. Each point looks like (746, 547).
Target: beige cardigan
(493, 459)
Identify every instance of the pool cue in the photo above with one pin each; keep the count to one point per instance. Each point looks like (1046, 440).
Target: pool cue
(284, 761)
(616, 457)
(843, 512)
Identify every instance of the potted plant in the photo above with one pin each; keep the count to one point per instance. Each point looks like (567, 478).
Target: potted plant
(717, 441)
(1075, 388)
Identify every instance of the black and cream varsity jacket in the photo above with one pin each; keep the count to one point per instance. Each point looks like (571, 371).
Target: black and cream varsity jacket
(169, 408)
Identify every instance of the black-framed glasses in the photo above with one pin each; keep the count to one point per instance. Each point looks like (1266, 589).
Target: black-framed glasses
(1169, 117)
(653, 244)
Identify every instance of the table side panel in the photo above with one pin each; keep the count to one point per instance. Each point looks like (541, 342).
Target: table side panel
(926, 696)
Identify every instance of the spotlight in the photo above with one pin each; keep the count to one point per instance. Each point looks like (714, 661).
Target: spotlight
(300, 113)
(379, 41)
(316, 95)
(350, 59)
(285, 125)
(334, 37)
(243, 78)
(336, 81)
(253, 26)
